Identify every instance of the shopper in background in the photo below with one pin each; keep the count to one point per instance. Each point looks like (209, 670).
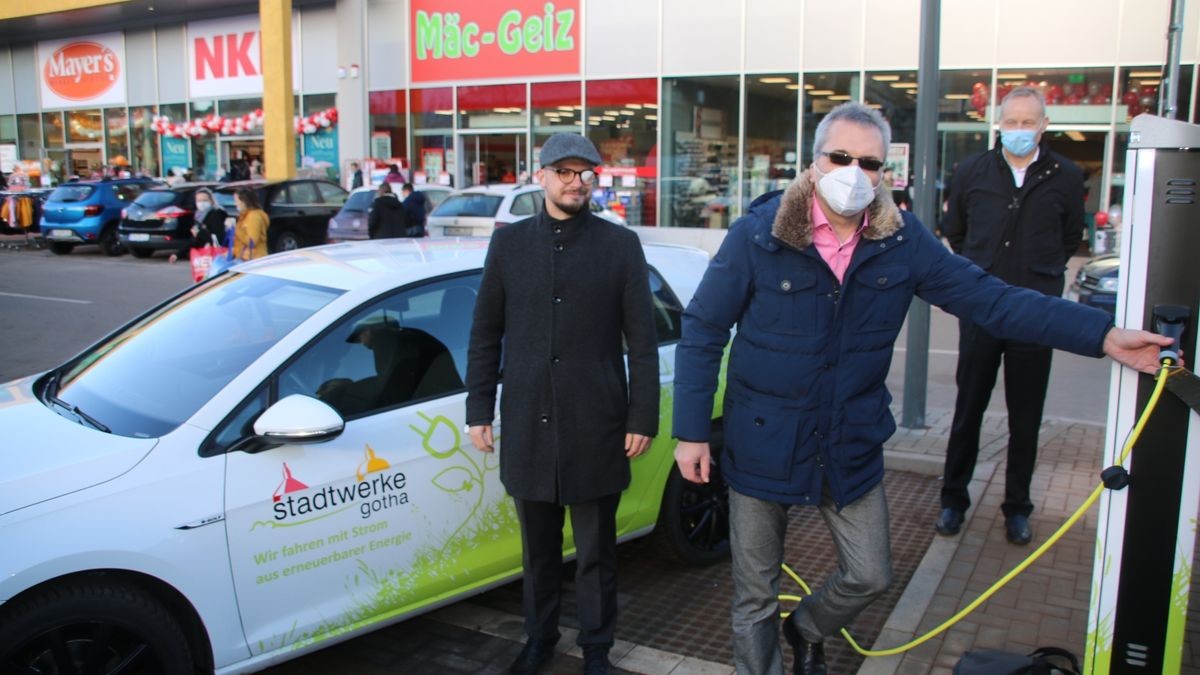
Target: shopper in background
(208, 226)
(1017, 212)
(393, 175)
(250, 232)
(386, 219)
(356, 176)
(568, 284)
(416, 207)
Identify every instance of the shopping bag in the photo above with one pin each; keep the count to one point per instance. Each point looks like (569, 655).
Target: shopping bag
(203, 259)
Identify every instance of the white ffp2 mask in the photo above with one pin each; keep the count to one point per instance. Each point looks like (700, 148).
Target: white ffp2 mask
(846, 189)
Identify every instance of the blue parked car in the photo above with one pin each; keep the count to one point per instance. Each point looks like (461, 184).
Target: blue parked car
(88, 212)
(1096, 283)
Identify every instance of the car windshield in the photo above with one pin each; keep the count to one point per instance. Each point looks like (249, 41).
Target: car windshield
(152, 376)
(72, 193)
(156, 199)
(359, 201)
(470, 205)
(225, 201)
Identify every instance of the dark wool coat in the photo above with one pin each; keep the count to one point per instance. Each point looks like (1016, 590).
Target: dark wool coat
(560, 295)
(386, 220)
(806, 406)
(1023, 235)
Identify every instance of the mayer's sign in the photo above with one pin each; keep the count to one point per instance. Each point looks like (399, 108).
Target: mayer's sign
(225, 57)
(500, 39)
(82, 71)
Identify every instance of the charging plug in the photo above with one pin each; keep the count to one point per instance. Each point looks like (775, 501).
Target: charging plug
(1170, 321)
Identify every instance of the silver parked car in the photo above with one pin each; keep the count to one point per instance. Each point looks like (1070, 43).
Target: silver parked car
(478, 211)
(350, 224)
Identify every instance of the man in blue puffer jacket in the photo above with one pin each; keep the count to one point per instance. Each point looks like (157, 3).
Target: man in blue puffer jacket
(818, 280)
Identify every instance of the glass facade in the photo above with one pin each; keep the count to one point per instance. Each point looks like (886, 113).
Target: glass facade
(29, 136)
(389, 125)
(556, 107)
(822, 93)
(143, 142)
(770, 159)
(433, 134)
(623, 122)
(700, 129)
(116, 134)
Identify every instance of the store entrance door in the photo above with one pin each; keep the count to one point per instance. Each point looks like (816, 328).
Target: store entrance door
(492, 158)
(1087, 146)
(241, 149)
(85, 160)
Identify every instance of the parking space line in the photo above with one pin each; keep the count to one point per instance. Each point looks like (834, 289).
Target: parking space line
(45, 297)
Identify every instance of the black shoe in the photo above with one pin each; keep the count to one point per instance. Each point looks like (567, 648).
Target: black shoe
(595, 661)
(1016, 529)
(950, 522)
(808, 657)
(533, 656)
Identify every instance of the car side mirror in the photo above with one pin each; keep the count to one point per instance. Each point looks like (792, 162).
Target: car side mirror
(298, 419)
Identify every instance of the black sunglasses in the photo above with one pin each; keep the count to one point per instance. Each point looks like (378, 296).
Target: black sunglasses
(843, 158)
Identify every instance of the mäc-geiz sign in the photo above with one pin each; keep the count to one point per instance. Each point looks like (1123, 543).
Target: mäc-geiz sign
(487, 40)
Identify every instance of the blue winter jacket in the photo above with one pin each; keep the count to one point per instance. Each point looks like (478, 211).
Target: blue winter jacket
(806, 405)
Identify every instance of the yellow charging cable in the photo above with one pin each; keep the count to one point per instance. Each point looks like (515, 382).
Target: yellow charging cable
(1163, 374)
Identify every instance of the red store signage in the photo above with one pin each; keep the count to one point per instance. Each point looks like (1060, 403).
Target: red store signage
(499, 39)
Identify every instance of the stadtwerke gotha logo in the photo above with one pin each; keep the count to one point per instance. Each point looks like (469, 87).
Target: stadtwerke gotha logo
(378, 487)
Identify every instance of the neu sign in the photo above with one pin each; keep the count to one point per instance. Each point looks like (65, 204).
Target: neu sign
(500, 39)
(225, 57)
(82, 71)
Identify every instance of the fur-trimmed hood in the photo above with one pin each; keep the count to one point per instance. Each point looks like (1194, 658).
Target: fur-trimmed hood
(793, 221)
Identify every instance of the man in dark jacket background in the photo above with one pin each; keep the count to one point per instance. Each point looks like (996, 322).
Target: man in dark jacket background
(818, 280)
(386, 219)
(416, 208)
(1017, 212)
(559, 291)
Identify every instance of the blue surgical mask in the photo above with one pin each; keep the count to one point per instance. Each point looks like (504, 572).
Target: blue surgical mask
(1019, 142)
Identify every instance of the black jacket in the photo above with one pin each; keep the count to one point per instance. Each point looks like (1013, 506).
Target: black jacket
(559, 296)
(386, 220)
(213, 224)
(1024, 236)
(416, 205)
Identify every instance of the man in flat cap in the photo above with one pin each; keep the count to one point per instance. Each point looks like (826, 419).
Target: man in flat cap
(561, 291)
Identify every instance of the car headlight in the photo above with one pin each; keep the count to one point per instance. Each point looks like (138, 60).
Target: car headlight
(1080, 277)
(1108, 284)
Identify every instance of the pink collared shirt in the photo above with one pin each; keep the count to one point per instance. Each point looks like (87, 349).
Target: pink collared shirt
(835, 253)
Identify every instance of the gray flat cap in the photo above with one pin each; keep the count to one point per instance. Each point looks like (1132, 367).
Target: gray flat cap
(569, 146)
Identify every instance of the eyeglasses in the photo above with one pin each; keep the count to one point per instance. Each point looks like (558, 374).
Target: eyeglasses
(567, 176)
(843, 158)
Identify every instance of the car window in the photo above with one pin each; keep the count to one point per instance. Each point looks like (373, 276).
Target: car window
(127, 192)
(434, 198)
(71, 193)
(523, 205)
(406, 347)
(469, 205)
(239, 424)
(225, 201)
(153, 375)
(303, 192)
(331, 194)
(359, 201)
(539, 199)
(156, 199)
(668, 312)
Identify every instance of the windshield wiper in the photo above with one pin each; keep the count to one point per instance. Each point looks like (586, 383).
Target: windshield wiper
(52, 388)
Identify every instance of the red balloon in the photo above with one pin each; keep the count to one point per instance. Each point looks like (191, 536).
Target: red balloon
(1131, 96)
(1101, 218)
(1073, 99)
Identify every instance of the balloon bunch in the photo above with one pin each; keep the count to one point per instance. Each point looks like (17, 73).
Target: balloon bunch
(317, 121)
(1075, 93)
(1140, 99)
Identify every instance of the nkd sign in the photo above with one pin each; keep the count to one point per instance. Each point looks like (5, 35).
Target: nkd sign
(503, 39)
(82, 71)
(225, 58)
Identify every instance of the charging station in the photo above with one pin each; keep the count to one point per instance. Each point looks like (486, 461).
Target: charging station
(1146, 531)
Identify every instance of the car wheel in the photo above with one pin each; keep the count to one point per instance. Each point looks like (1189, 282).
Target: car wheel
(286, 241)
(694, 519)
(92, 626)
(109, 243)
(60, 248)
(142, 252)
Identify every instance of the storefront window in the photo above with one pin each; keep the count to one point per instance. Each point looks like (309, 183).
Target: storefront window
(84, 126)
(239, 106)
(433, 144)
(320, 150)
(770, 159)
(116, 127)
(964, 96)
(492, 107)
(700, 134)
(52, 130)
(1073, 95)
(29, 136)
(1141, 87)
(623, 123)
(389, 126)
(822, 93)
(143, 141)
(557, 108)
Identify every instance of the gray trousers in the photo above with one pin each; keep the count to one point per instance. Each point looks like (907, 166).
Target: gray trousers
(864, 572)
